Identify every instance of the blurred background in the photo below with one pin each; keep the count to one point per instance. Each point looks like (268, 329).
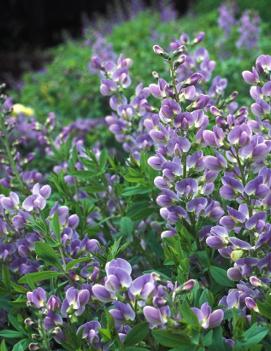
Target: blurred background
(27, 27)
(46, 46)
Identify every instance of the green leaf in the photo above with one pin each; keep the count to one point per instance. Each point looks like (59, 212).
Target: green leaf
(137, 334)
(3, 346)
(217, 342)
(47, 254)
(73, 263)
(114, 249)
(103, 160)
(208, 338)
(6, 275)
(38, 276)
(206, 296)
(220, 276)
(15, 323)
(18, 288)
(55, 225)
(126, 226)
(188, 347)
(169, 338)
(105, 332)
(188, 316)
(5, 303)
(135, 348)
(265, 307)
(255, 334)
(10, 334)
(136, 190)
(21, 345)
(140, 210)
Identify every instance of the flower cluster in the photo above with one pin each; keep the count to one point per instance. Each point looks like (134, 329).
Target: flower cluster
(127, 121)
(226, 19)
(249, 31)
(248, 26)
(23, 140)
(17, 241)
(185, 183)
(128, 299)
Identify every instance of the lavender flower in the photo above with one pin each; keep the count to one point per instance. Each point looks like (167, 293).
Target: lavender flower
(75, 302)
(37, 297)
(37, 201)
(207, 318)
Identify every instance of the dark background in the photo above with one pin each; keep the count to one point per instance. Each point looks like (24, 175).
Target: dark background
(29, 26)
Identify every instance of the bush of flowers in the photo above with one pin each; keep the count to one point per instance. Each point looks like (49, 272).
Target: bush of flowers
(148, 229)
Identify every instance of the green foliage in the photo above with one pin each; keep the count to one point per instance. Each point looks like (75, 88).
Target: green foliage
(64, 85)
(67, 87)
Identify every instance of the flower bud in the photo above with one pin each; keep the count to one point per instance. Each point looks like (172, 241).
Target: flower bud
(251, 304)
(199, 38)
(188, 285)
(28, 322)
(158, 50)
(255, 281)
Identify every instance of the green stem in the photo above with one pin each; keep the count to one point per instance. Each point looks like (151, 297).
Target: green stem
(173, 77)
(243, 179)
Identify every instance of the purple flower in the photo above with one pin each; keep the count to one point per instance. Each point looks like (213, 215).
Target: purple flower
(156, 317)
(53, 303)
(218, 237)
(207, 318)
(11, 202)
(187, 187)
(75, 302)
(52, 320)
(249, 30)
(197, 205)
(90, 332)
(118, 274)
(143, 286)
(263, 64)
(169, 110)
(122, 312)
(101, 293)
(37, 297)
(226, 18)
(215, 163)
(251, 77)
(37, 201)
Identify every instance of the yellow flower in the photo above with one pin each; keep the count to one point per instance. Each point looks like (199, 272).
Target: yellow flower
(19, 108)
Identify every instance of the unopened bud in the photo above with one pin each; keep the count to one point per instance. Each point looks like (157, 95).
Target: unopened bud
(215, 111)
(28, 322)
(188, 285)
(232, 97)
(33, 346)
(160, 51)
(255, 281)
(199, 38)
(251, 304)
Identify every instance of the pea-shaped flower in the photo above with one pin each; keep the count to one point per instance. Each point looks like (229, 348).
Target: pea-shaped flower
(207, 318)
(37, 201)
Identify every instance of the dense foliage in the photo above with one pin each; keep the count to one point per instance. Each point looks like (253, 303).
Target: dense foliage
(147, 227)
